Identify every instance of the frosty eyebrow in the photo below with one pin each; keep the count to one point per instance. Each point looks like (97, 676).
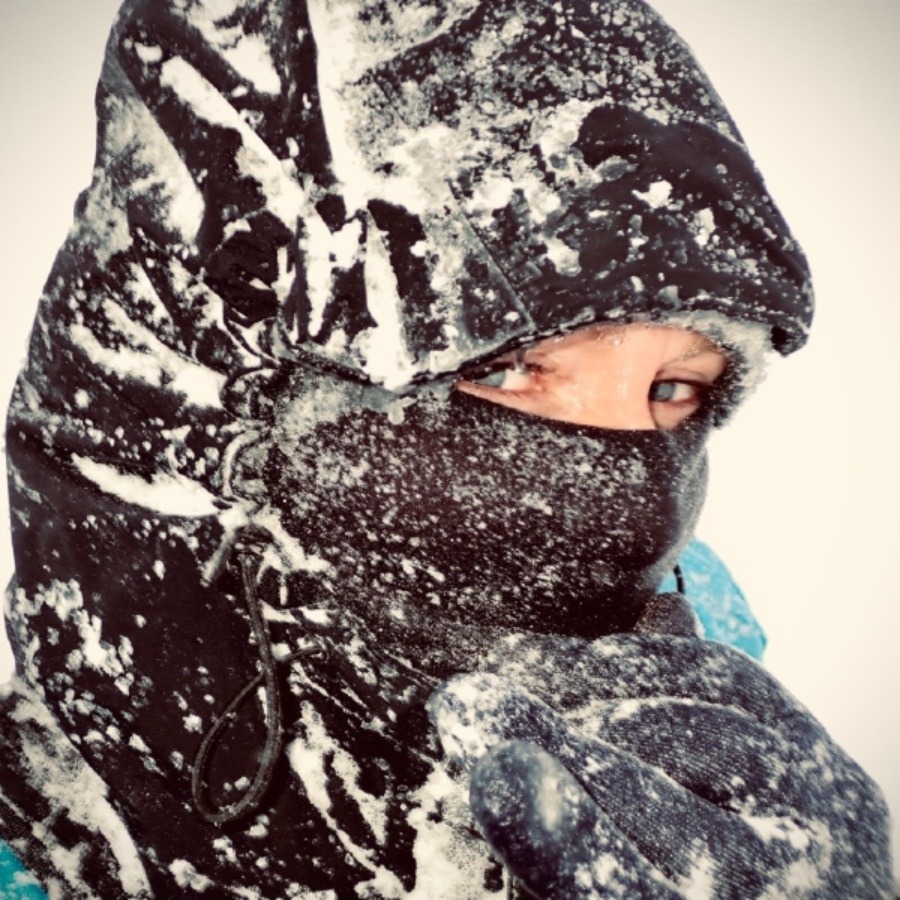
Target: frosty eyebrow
(701, 345)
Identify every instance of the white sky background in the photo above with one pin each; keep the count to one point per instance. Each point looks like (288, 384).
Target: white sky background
(805, 488)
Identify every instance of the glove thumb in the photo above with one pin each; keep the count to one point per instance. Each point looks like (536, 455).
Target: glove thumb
(669, 614)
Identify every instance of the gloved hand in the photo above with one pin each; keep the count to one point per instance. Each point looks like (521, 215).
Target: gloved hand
(649, 765)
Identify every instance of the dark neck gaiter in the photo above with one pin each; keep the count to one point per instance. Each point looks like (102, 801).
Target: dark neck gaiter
(466, 518)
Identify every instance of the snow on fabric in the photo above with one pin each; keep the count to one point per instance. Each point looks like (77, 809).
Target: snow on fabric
(225, 582)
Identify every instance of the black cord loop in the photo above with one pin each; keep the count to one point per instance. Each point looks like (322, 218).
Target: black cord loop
(268, 677)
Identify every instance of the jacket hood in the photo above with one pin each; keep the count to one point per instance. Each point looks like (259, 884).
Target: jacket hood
(399, 189)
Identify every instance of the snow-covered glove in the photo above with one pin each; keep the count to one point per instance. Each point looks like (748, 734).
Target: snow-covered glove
(648, 765)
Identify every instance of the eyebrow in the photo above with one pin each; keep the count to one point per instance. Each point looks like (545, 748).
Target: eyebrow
(702, 345)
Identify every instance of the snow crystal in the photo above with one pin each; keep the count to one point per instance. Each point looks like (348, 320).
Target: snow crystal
(625, 709)
(250, 57)
(193, 723)
(657, 195)
(68, 861)
(542, 199)
(463, 739)
(440, 814)
(306, 758)
(705, 224)
(66, 600)
(96, 653)
(537, 502)
(200, 384)
(604, 869)
(62, 597)
(148, 54)
(188, 84)
(260, 828)
(136, 742)
(224, 846)
(700, 879)
(493, 192)
(562, 128)
(186, 876)
(801, 878)
(564, 258)
(317, 616)
(347, 161)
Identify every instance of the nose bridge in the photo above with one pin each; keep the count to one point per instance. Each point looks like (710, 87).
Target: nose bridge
(611, 391)
(623, 405)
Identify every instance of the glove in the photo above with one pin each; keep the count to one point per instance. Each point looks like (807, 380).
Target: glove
(647, 765)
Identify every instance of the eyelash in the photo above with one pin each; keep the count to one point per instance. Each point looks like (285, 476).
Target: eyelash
(501, 366)
(700, 390)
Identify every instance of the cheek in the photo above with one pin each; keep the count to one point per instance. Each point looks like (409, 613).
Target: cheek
(667, 416)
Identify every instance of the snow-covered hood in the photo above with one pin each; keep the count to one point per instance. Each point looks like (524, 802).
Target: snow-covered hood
(403, 187)
(389, 191)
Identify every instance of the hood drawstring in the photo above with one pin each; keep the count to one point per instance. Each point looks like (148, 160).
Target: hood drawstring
(248, 547)
(249, 552)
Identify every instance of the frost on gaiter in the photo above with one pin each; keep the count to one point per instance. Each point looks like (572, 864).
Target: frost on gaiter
(252, 534)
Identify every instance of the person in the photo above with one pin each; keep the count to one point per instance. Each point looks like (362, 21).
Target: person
(363, 417)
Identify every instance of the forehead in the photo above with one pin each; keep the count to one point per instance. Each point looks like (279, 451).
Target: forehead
(685, 342)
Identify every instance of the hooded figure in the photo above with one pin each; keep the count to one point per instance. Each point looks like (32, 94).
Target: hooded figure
(254, 526)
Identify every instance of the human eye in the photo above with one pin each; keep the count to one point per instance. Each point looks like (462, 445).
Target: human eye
(672, 400)
(513, 372)
(677, 392)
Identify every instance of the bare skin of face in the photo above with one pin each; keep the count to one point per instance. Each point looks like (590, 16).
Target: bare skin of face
(637, 376)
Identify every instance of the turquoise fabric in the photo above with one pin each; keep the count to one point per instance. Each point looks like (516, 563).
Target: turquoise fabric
(16, 882)
(719, 603)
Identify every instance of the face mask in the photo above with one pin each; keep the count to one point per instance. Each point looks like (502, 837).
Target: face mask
(466, 517)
